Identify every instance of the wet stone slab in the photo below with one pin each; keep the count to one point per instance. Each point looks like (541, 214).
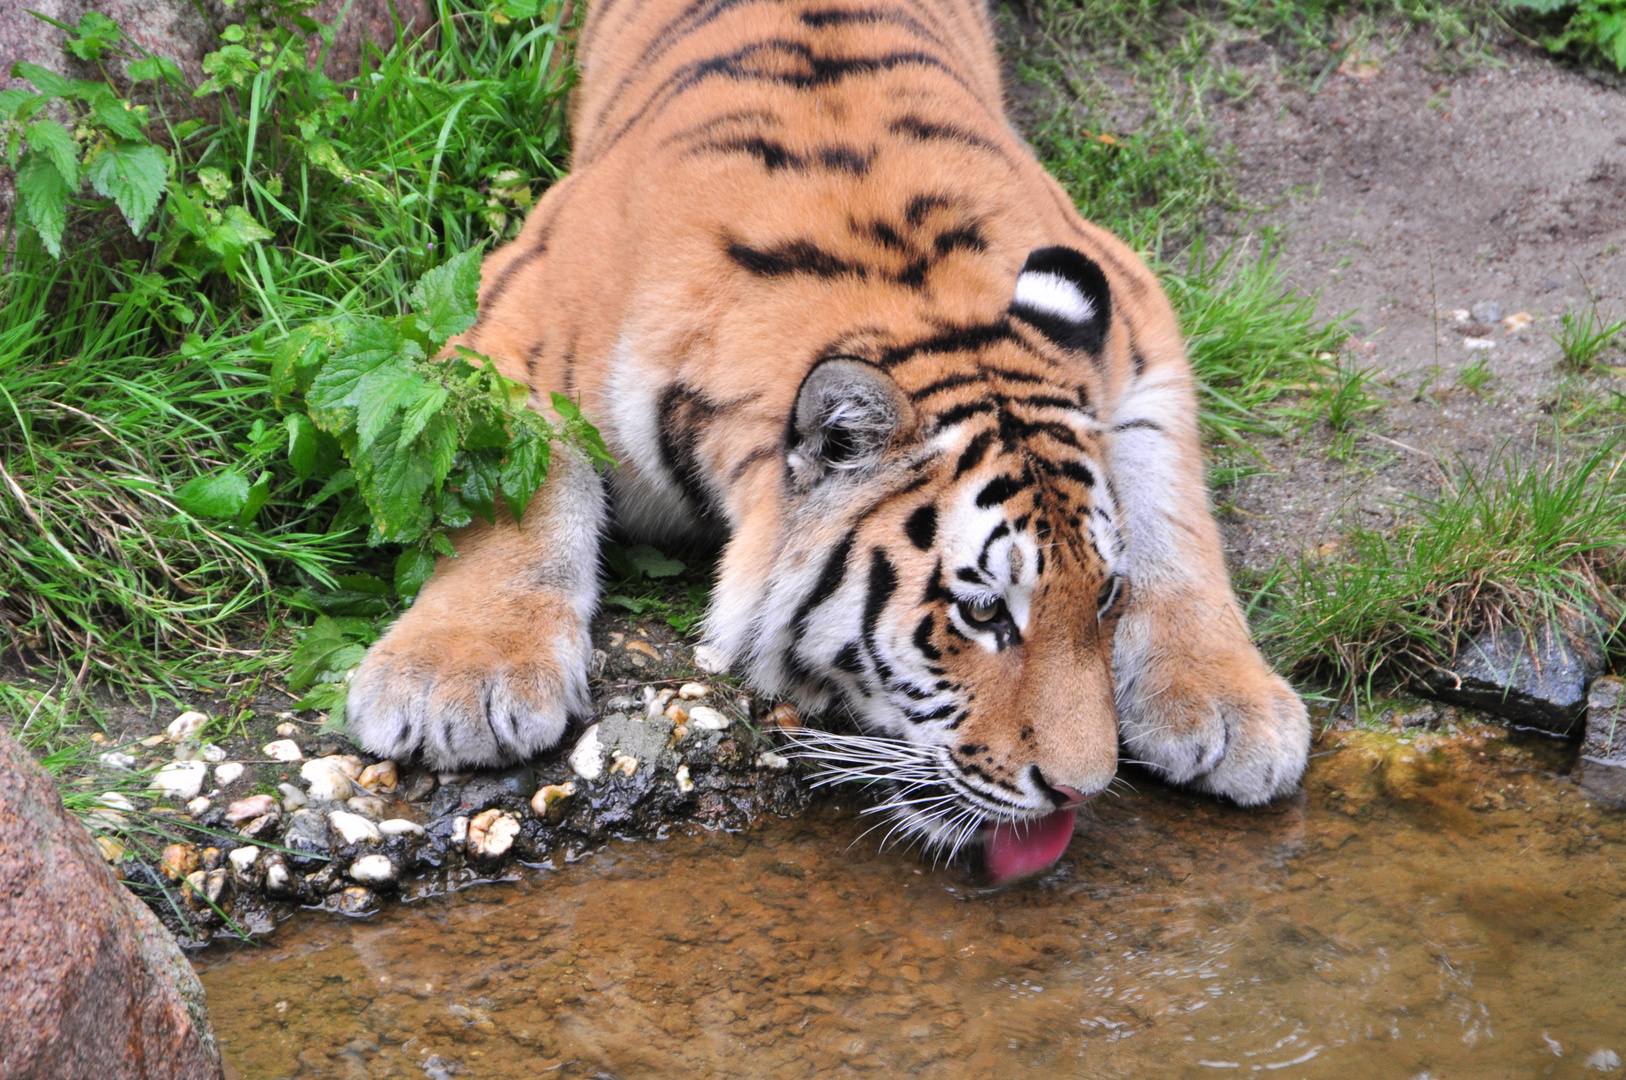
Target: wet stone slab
(1449, 903)
(1602, 768)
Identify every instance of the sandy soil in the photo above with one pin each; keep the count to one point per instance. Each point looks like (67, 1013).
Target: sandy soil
(1407, 194)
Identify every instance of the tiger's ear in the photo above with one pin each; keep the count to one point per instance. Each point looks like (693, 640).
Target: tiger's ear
(847, 413)
(1064, 295)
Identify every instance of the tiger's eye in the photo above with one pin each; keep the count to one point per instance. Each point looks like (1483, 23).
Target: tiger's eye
(981, 611)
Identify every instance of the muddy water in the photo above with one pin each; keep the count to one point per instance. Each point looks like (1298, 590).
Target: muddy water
(1451, 907)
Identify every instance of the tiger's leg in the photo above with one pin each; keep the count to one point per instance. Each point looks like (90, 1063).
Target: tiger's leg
(1196, 700)
(490, 662)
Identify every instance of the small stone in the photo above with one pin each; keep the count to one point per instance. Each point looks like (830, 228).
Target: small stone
(152, 740)
(400, 827)
(113, 759)
(693, 691)
(1518, 321)
(367, 806)
(1602, 767)
(185, 726)
(549, 801)
(644, 648)
(419, 786)
(307, 832)
(460, 830)
(243, 861)
(287, 730)
(213, 858)
(1536, 677)
(684, 784)
(678, 713)
(178, 860)
(348, 764)
(199, 806)
(380, 776)
(97, 737)
(353, 828)
(327, 780)
(358, 901)
(179, 779)
(373, 870)
(707, 719)
(1603, 1060)
(587, 759)
(250, 808)
(785, 717)
(1474, 343)
(283, 750)
(292, 798)
(109, 812)
(770, 760)
(111, 849)
(279, 880)
(263, 827)
(227, 772)
(212, 753)
(492, 833)
(625, 764)
(710, 660)
(1486, 311)
(187, 750)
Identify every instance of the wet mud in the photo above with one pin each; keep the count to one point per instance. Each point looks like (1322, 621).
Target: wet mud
(1446, 905)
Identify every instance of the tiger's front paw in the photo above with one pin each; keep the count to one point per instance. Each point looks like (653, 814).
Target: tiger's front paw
(487, 684)
(1236, 730)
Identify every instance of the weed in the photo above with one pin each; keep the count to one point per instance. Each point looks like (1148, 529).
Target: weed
(1583, 336)
(1344, 394)
(1591, 29)
(1474, 377)
(1514, 541)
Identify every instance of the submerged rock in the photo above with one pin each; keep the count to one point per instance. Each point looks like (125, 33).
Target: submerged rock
(1602, 767)
(1537, 678)
(91, 984)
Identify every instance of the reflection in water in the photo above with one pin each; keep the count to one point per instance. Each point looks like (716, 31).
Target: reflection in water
(1451, 907)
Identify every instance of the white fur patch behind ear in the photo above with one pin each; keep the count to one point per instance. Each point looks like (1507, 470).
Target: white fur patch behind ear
(1052, 294)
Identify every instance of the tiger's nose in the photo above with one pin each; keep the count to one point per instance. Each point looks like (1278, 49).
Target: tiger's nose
(1063, 796)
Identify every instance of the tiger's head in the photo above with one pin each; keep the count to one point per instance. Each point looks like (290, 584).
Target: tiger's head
(948, 568)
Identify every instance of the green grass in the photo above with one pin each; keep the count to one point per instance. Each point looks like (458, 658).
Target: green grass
(1584, 336)
(1520, 540)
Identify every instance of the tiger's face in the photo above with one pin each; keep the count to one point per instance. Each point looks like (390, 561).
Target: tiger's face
(949, 569)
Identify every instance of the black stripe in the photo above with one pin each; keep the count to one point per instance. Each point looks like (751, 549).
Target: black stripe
(1001, 489)
(916, 127)
(1131, 425)
(848, 660)
(883, 582)
(965, 409)
(751, 459)
(935, 714)
(793, 257)
(682, 417)
(999, 532)
(923, 638)
(973, 453)
(835, 569)
(948, 382)
(956, 339)
(922, 526)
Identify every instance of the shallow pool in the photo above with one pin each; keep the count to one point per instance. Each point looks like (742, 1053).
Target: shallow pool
(1451, 906)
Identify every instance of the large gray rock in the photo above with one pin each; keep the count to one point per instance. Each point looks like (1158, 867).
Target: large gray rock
(1537, 678)
(1602, 768)
(91, 986)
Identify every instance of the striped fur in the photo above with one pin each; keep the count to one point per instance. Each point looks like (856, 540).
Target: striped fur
(827, 307)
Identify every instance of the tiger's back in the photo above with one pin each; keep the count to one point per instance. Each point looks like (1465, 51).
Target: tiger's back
(826, 306)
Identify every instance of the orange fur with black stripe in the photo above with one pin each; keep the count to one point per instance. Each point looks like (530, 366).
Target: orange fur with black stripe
(827, 307)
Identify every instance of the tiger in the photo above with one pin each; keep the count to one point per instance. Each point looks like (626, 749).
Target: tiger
(831, 314)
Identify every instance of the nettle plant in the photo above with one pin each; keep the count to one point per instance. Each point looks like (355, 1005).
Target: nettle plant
(295, 218)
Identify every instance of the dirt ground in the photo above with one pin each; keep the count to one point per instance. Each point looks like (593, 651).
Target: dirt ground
(1406, 195)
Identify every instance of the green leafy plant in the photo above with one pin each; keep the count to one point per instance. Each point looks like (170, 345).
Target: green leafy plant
(1583, 336)
(1594, 29)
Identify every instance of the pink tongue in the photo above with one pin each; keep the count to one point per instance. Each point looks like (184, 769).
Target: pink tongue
(1016, 851)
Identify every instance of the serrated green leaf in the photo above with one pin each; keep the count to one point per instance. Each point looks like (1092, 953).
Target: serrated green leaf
(92, 36)
(394, 483)
(412, 568)
(258, 496)
(46, 82)
(52, 139)
(134, 177)
(19, 104)
(653, 563)
(418, 415)
(450, 510)
(338, 483)
(157, 68)
(223, 495)
(482, 471)
(383, 392)
(523, 471)
(44, 197)
(444, 300)
(301, 444)
(327, 652)
(365, 345)
(119, 118)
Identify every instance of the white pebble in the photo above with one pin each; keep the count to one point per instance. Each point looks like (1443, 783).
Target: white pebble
(492, 833)
(684, 784)
(186, 725)
(213, 753)
(1603, 1060)
(279, 880)
(625, 764)
(283, 750)
(287, 730)
(709, 659)
(770, 760)
(373, 870)
(366, 805)
(693, 691)
(242, 861)
(400, 827)
(460, 830)
(227, 771)
(327, 780)
(292, 797)
(113, 759)
(588, 758)
(109, 813)
(181, 779)
(199, 806)
(708, 719)
(353, 828)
